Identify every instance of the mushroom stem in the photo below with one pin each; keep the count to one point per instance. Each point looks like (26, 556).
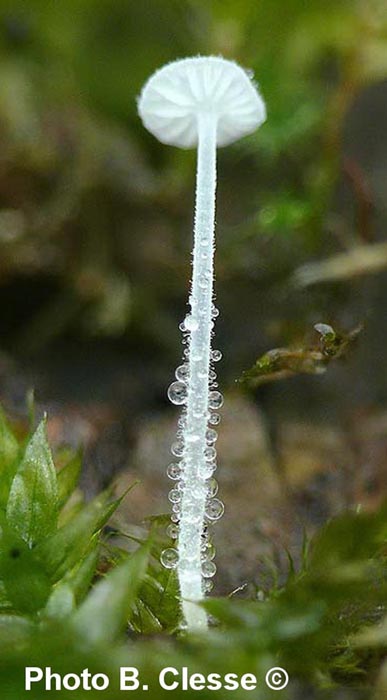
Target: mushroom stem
(205, 102)
(195, 466)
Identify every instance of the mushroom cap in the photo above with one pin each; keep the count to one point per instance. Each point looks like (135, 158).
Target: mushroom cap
(174, 96)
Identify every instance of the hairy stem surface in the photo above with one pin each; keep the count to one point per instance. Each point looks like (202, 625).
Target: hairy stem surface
(195, 465)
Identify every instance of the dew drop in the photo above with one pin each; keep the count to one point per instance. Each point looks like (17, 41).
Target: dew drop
(208, 569)
(212, 375)
(214, 509)
(174, 471)
(182, 372)
(177, 393)
(207, 585)
(214, 419)
(206, 471)
(177, 448)
(211, 436)
(211, 551)
(216, 355)
(173, 531)
(214, 311)
(212, 488)
(215, 399)
(205, 538)
(210, 454)
(208, 552)
(169, 558)
(174, 496)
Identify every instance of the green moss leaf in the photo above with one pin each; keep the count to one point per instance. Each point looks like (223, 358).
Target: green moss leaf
(14, 631)
(158, 605)
(61, 602)
(349, 539)
(104, 613)
(9, 452)
(69, 545)
(32, 507)
(68, 478)
(80, 578)
(281, 363)
(25, 583)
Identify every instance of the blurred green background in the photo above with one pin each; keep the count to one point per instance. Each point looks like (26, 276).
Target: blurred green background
(95, 236)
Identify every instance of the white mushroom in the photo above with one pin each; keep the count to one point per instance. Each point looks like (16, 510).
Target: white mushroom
(175, 97)
(204, 102)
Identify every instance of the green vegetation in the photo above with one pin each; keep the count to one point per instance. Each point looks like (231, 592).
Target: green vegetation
(281, 363)
(95, 226)
(70, 598)
(87, 195)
